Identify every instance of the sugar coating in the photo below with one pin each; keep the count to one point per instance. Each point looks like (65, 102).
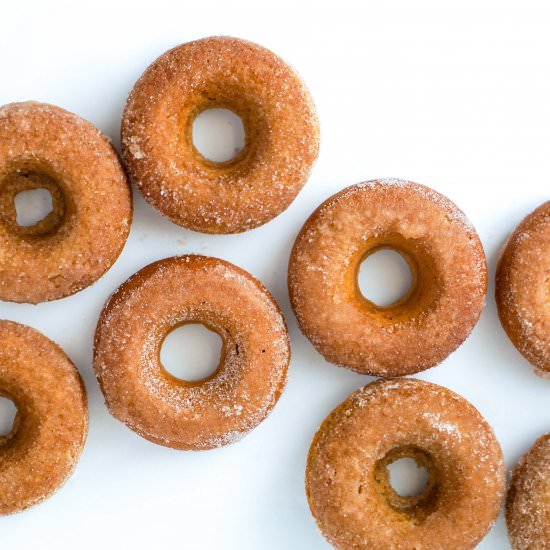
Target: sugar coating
(528, 499)
(343, 491)
(191, 415)
(445, 256)
(51, 424)
(281, 127)
(94, 219)
(523, 288)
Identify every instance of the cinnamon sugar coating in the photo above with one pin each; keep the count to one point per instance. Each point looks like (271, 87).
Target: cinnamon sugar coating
(51, 423)
(208, 413)
(523, 288)
(347, 485)
(46, 147)
(444, 254)
(528, 499)
(281, 135)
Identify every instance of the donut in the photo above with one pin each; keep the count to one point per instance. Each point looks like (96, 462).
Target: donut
(46, 147)
(522, 290)
(421, 329)
(281, 135)
(50, 428)
(347, 482)
(218, 409)
(528, 499)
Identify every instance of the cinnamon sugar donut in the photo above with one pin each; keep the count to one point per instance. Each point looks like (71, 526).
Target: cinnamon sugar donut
(528, 499)
(347, 481)
(51, 423)
(523, 288)
(281, 141)
(219, 409)
(444, 254)
(45, 147)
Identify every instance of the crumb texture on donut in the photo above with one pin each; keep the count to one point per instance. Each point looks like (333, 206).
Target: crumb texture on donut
(281, 135)
(51, 423)
(46, 147)
(523, 288)
(444, 254)
(528, 499)
(347, 483)
(219, 409)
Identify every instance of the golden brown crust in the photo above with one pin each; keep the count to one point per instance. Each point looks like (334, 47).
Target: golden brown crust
(444, 254)
(43, 146)
(281, 127)
(51, 424)
(191, 415)
(346, 478)
(523, 288)
(528, 499)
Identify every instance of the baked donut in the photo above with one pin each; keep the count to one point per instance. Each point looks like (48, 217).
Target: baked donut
(523, 290)
(45, 147)
(220, 408)
(347, 481)
(528, 499)
(281, 135)
(444, 254)
(48, 435)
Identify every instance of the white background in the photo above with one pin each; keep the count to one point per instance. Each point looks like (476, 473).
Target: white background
(454, 95)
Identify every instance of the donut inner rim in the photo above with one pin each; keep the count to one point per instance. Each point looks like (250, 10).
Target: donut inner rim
(241, 104)
(415, 507)
(425, 284)
(28, 175)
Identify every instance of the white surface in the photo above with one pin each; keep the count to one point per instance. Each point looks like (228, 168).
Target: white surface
(407, 478)
(7, 415)
(456, 98)
(218, 134)
(191, 352)
(32, 206)
(384, 277)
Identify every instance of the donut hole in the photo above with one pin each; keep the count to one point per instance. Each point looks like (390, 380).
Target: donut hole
(407, 478)
(32, 206)
(8, 412)
(384, 277)
(32, 202)
(218, 134)
(191, 352)
(222, 116)
(407, 481)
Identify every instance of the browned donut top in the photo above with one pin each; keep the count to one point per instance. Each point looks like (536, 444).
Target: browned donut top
(347, 482)
(42, 146)
(444, 254)
(523, 288)
(191, 415)
(528, 499)
(51, 424)
(282, 135)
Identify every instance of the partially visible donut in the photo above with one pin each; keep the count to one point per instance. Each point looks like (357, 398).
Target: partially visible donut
(347, 481)
(528, 499)
(46, 147)
(219, 409)
(523, 288)
(281, 135)
(445, 256)
(51, 423)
